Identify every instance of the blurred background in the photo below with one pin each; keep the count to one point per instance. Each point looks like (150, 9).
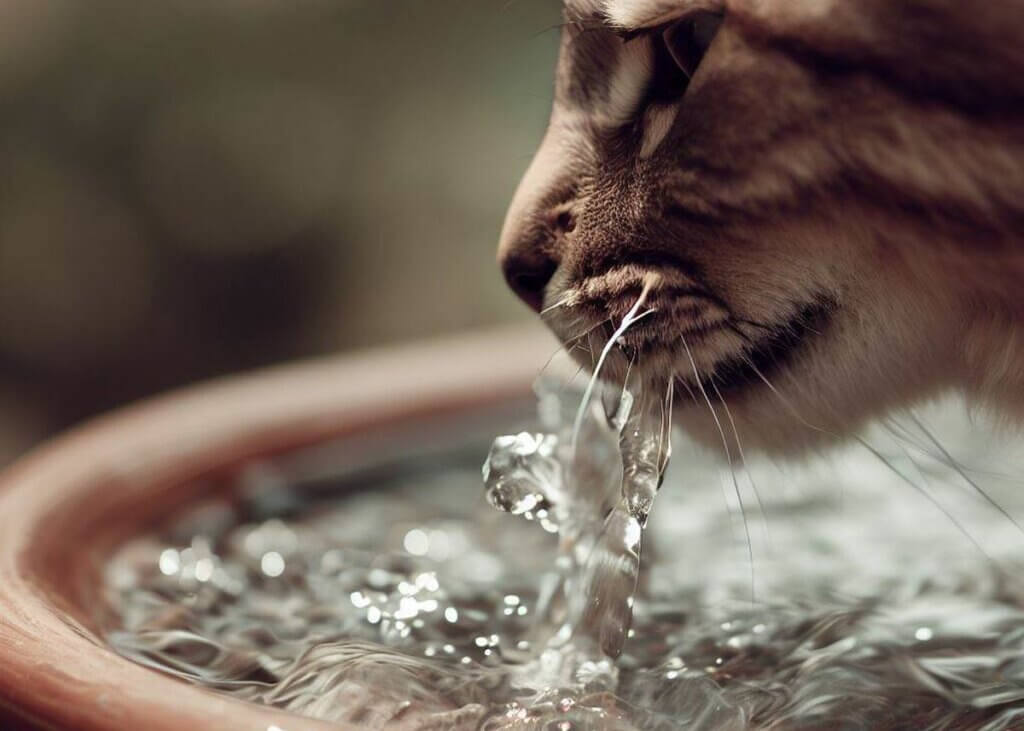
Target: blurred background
(195, 187)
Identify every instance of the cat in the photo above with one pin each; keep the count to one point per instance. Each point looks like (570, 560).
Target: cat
(828, 196)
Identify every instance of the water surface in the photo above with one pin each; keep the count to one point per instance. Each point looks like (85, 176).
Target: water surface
(401, 595)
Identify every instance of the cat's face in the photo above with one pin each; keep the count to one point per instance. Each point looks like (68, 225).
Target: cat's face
(774, 165)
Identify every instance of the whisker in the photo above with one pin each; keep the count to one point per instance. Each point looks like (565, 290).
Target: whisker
(548, 29)
(574, 376)
(588, 392)
(588, 331)
(743, 459)
(693, 396)
(754, 323)
(878, 455)
(561, 303)
(696, 402)
(951, 462)
(568, 326)
(549, 361)
(570, 344)
(732, 469)
(902, 433)
(785, 402)
(745, 336)
(925, 493)
(630, 318)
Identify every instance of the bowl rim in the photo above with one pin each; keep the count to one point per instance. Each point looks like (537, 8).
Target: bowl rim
(141, 462)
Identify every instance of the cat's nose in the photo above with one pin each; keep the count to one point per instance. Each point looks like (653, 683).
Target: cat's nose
(539, 219)
(528, 257)
(528, 274)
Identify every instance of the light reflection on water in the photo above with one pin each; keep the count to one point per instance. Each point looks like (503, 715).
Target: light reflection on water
(414, 600)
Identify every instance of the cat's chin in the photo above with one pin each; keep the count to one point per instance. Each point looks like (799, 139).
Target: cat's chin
(752, 418)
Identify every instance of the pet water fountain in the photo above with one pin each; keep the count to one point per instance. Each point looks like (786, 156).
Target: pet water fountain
(314, 547)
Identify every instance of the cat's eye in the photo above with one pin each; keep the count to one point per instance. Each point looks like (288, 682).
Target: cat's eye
(679, 49)
(688, 40)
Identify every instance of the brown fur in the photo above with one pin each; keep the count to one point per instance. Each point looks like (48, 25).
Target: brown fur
(843, 179)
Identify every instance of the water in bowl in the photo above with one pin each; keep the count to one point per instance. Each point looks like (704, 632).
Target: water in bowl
(875, 589)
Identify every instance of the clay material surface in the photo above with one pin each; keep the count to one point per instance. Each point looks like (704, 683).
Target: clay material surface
(68, 504)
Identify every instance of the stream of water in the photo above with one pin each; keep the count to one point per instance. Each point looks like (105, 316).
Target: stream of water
(552, 478)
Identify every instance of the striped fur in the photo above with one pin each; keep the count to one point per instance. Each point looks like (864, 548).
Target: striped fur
(837, 195)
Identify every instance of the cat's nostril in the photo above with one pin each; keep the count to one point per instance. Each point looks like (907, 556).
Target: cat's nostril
(528, 276)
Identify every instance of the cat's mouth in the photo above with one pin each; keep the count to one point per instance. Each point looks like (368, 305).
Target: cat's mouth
(679, 329)
(671, 303)
(765, 349)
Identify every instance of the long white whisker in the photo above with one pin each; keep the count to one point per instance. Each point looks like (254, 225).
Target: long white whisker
(789, 406)
(561, 303)
(630, 318)
(585, 333)
(925, 493)
(951, 462)
(696, 402)
(743, 460)
(903, 434)
(693, 396)
(547, 363)
(728, 457)
(881, 458)
(568, 384)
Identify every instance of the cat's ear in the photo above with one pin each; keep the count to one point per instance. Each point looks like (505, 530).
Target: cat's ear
(630, 15)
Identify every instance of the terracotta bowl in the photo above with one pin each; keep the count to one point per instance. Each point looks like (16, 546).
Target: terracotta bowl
(69, 504)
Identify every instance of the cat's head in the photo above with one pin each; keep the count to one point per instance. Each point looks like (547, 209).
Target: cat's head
(806, 178)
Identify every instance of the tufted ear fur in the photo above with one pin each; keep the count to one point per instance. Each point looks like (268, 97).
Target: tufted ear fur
(637, 14)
